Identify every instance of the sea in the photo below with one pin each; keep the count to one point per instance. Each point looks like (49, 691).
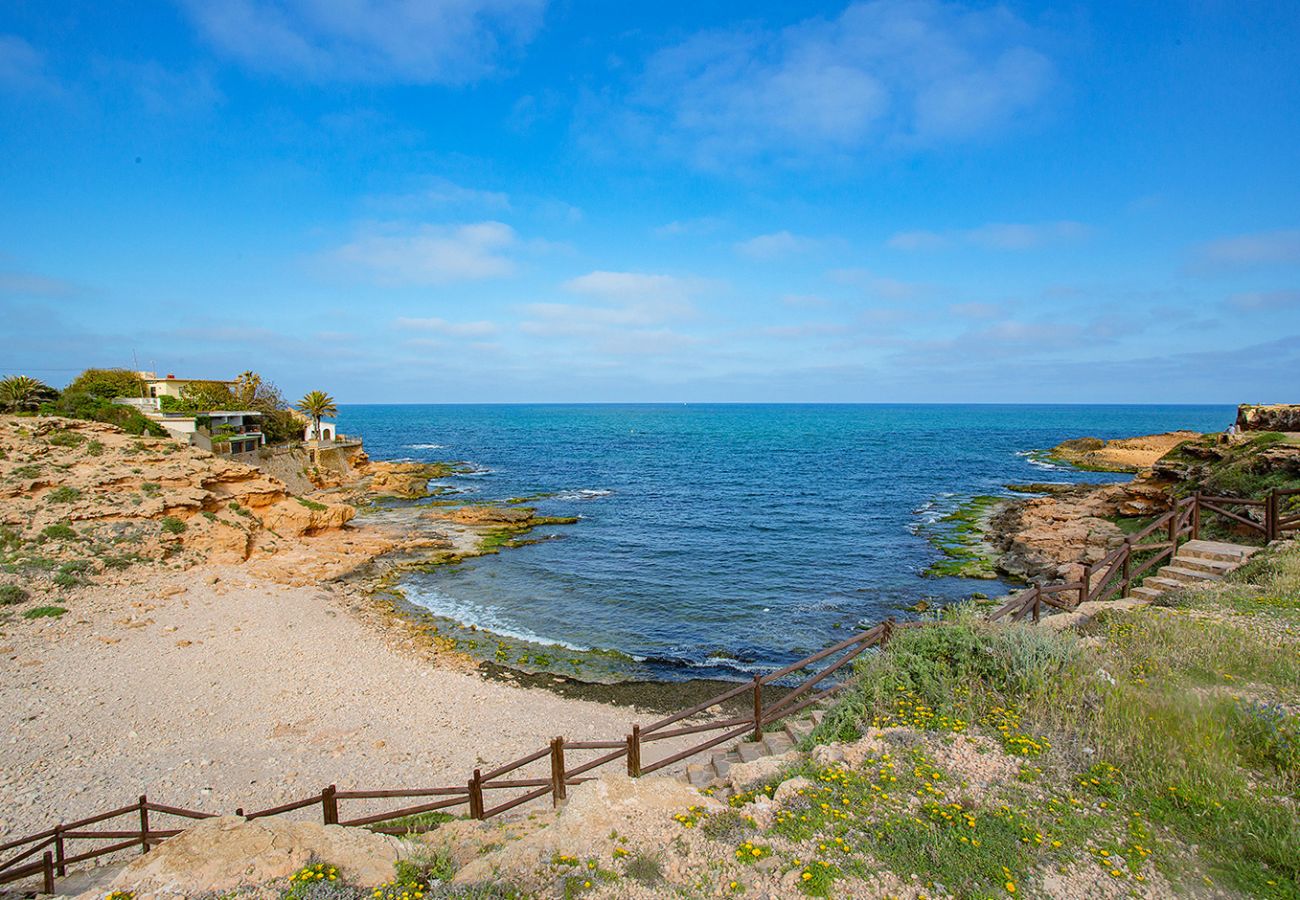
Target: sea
(722, 540)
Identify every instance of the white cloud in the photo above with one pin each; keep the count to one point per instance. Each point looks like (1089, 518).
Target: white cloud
(433, 254)
(993, 236)
(634, 287)
(916, 240)
(416, 41)
(776, 245)
(1261, 300)
(878, 285)
(1263, 248)
(689, 227)
(22, 66)
(975, 310)
(900, 71)
(435, 325)
(25, 284)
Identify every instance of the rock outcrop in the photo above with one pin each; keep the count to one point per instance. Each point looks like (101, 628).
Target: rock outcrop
(223, 854)
(407, 480)
(74, 489)
(1120, 455)
(1272, 417)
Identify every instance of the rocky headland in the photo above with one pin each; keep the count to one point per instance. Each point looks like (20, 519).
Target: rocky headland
(1057, 529)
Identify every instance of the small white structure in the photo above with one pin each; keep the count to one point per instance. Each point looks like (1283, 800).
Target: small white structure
(328, 431)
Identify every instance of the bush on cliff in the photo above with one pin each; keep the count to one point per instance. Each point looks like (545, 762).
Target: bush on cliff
(83, 405)
(107, 384)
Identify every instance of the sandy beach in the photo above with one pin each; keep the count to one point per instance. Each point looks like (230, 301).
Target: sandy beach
(213, 689)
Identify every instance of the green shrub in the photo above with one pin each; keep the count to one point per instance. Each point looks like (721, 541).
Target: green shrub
(644, 869)
(65, 438)
(151, 489)
(64, 494)
(30, 471)
(59, 532)
(107, 384)
(44, 612)
(94, 448)
(311, 504)
(173, 525)
(11, 594)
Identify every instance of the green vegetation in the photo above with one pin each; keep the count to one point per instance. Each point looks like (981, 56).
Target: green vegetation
(94, 448)
(311, 504)
(58, 532)
(20, 394)
(317, 405)
(64, 494)
(107, 384)
(65, 438)
(12, 594)
(960, 537)
(44, 612)
(1189, 719)
(1238, 469)
(173, 525)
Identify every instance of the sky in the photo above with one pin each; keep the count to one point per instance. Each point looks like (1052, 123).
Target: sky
(564, 201)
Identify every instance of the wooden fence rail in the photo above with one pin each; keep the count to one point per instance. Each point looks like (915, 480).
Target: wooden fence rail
(45, 853)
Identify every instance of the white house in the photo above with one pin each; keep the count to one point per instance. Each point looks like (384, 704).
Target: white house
(328, 431)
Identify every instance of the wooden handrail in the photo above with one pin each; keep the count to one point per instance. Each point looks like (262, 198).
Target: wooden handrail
(1114, 572)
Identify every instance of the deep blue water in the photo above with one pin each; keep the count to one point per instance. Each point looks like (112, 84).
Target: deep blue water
(725, 538)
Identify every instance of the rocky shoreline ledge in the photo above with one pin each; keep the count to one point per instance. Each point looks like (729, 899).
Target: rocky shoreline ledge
(1060, 528)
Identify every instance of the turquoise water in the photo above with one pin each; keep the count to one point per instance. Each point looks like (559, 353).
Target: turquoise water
(717, 540)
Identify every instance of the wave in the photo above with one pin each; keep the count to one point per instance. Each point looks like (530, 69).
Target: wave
(1036, 459)
(484, 618)
(425, 446)
(583, 494)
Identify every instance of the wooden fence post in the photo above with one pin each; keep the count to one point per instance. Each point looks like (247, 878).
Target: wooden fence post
(558, 789)
(758, 708)
(47, 871)
(476, 795)
(634, 752)
(59, 853)
(887, 631)
(329, 805)
(1270, 517)
(1173, 532)
(1196, 516)
(144, 824)
(1086, 586)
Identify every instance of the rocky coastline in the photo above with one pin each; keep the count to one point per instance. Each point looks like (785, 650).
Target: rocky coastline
(1055, 530)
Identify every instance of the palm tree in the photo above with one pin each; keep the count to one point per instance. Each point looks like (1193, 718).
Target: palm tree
(20, 393)
(318, 405)
(246, 387)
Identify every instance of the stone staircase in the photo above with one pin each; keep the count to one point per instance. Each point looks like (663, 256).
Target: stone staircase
(781, 740)
(1197, 563)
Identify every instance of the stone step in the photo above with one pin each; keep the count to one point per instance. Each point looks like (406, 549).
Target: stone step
(1164, 584)
(1188, 576)
(817, 716)
(750, 751)
(700, 774)
(1146, 593)
(1202, 564)
(721, 765)
(1220, 550)
(798, 729)
(777, 742)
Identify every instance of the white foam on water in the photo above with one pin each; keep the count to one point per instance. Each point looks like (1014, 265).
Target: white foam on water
(583, 494)
(484, 618)
(425, 446)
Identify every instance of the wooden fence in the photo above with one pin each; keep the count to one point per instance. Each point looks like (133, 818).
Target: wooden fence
(551, 770)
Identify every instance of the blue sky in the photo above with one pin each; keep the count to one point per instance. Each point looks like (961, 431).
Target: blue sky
(522, 200)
